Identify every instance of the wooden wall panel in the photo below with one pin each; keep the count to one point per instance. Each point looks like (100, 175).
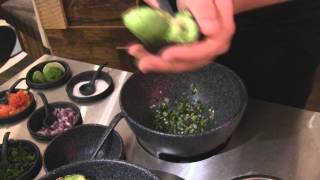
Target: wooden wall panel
(51, 14)
(94, 45)
(96, 12)
(94, 31)
(92, 36)
(95, 54)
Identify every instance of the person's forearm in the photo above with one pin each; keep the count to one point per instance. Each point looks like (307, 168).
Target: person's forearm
(245, 5)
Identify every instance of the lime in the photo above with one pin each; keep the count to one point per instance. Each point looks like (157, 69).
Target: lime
(38, 77)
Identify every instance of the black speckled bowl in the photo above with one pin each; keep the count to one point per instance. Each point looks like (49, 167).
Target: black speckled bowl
(35, 121)
(35, 169)
(218, 88)
(86, 76)
(102, 170)
(21, 115)
(39, 67)
(79, 143)
(256, 177)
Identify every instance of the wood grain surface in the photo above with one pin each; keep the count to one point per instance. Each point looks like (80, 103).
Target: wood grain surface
(94, 31)
(51, 14)
(94, 45)
(96, 12)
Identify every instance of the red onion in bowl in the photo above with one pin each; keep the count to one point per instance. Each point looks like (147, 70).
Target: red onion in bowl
(66, 119)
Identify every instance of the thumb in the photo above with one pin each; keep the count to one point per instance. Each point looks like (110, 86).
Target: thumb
(152, 3)
(206, 15)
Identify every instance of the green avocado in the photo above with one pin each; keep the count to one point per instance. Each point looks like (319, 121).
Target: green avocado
(183, 28)
(38, 77)
(147, 24)
(154, 26)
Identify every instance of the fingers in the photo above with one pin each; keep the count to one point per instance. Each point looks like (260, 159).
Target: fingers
(204, 50)
(138, 51)
(145, 60)
(148, 62)
(215, 19)
(225, 8)
(153, 3)
(206, 14)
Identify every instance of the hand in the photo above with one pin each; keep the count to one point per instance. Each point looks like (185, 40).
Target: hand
(215, 19)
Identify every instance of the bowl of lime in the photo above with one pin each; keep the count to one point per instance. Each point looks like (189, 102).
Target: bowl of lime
(48, 75)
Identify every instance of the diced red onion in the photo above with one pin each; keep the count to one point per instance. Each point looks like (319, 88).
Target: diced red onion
(66, 119)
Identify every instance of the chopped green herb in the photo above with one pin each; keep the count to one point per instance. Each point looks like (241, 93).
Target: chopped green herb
(181, 116)
(20, 160)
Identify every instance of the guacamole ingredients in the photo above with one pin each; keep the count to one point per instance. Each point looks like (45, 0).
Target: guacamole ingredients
(183, 28)
(20, 159)
(51, 72)
(181, 116)
(66, 119)
(149, 25)
(38, 77)
(73, 177)
(17, 102)
(157, 26)
(101, 85)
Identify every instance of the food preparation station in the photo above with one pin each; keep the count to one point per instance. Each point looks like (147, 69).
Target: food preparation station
(272, 139)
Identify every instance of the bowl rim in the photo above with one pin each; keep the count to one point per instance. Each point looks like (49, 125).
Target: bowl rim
(48, 138)
(45, 153)
(65, 78)
(229, 122)
(125, 163)
(38, 160)
(22, 114)
(77, 78)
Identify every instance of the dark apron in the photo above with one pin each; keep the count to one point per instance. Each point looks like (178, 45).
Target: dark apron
(276, 51)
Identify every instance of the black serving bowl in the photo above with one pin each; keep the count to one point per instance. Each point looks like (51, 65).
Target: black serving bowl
(102, 170)
(39, 67)
(86, 76)
(21, 115)
(79, 143)
(33, 171)
(35, 121)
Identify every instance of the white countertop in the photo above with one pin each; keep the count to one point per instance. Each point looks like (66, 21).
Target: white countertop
(100, 112)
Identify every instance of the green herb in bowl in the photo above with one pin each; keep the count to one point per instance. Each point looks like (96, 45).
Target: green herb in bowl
(20, 159)
(181, 116)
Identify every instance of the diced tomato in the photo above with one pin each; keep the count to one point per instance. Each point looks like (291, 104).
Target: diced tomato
(19, 99)
(5, 110)
(16, 103)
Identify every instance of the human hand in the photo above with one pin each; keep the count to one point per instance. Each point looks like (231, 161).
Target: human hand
(216, 23)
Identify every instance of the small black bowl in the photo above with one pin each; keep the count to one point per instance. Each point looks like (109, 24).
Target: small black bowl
(102, 170)
(35, 169)
(35, 121)
(21, 115)
(86, 76)
(39, 67)
(78, 144)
